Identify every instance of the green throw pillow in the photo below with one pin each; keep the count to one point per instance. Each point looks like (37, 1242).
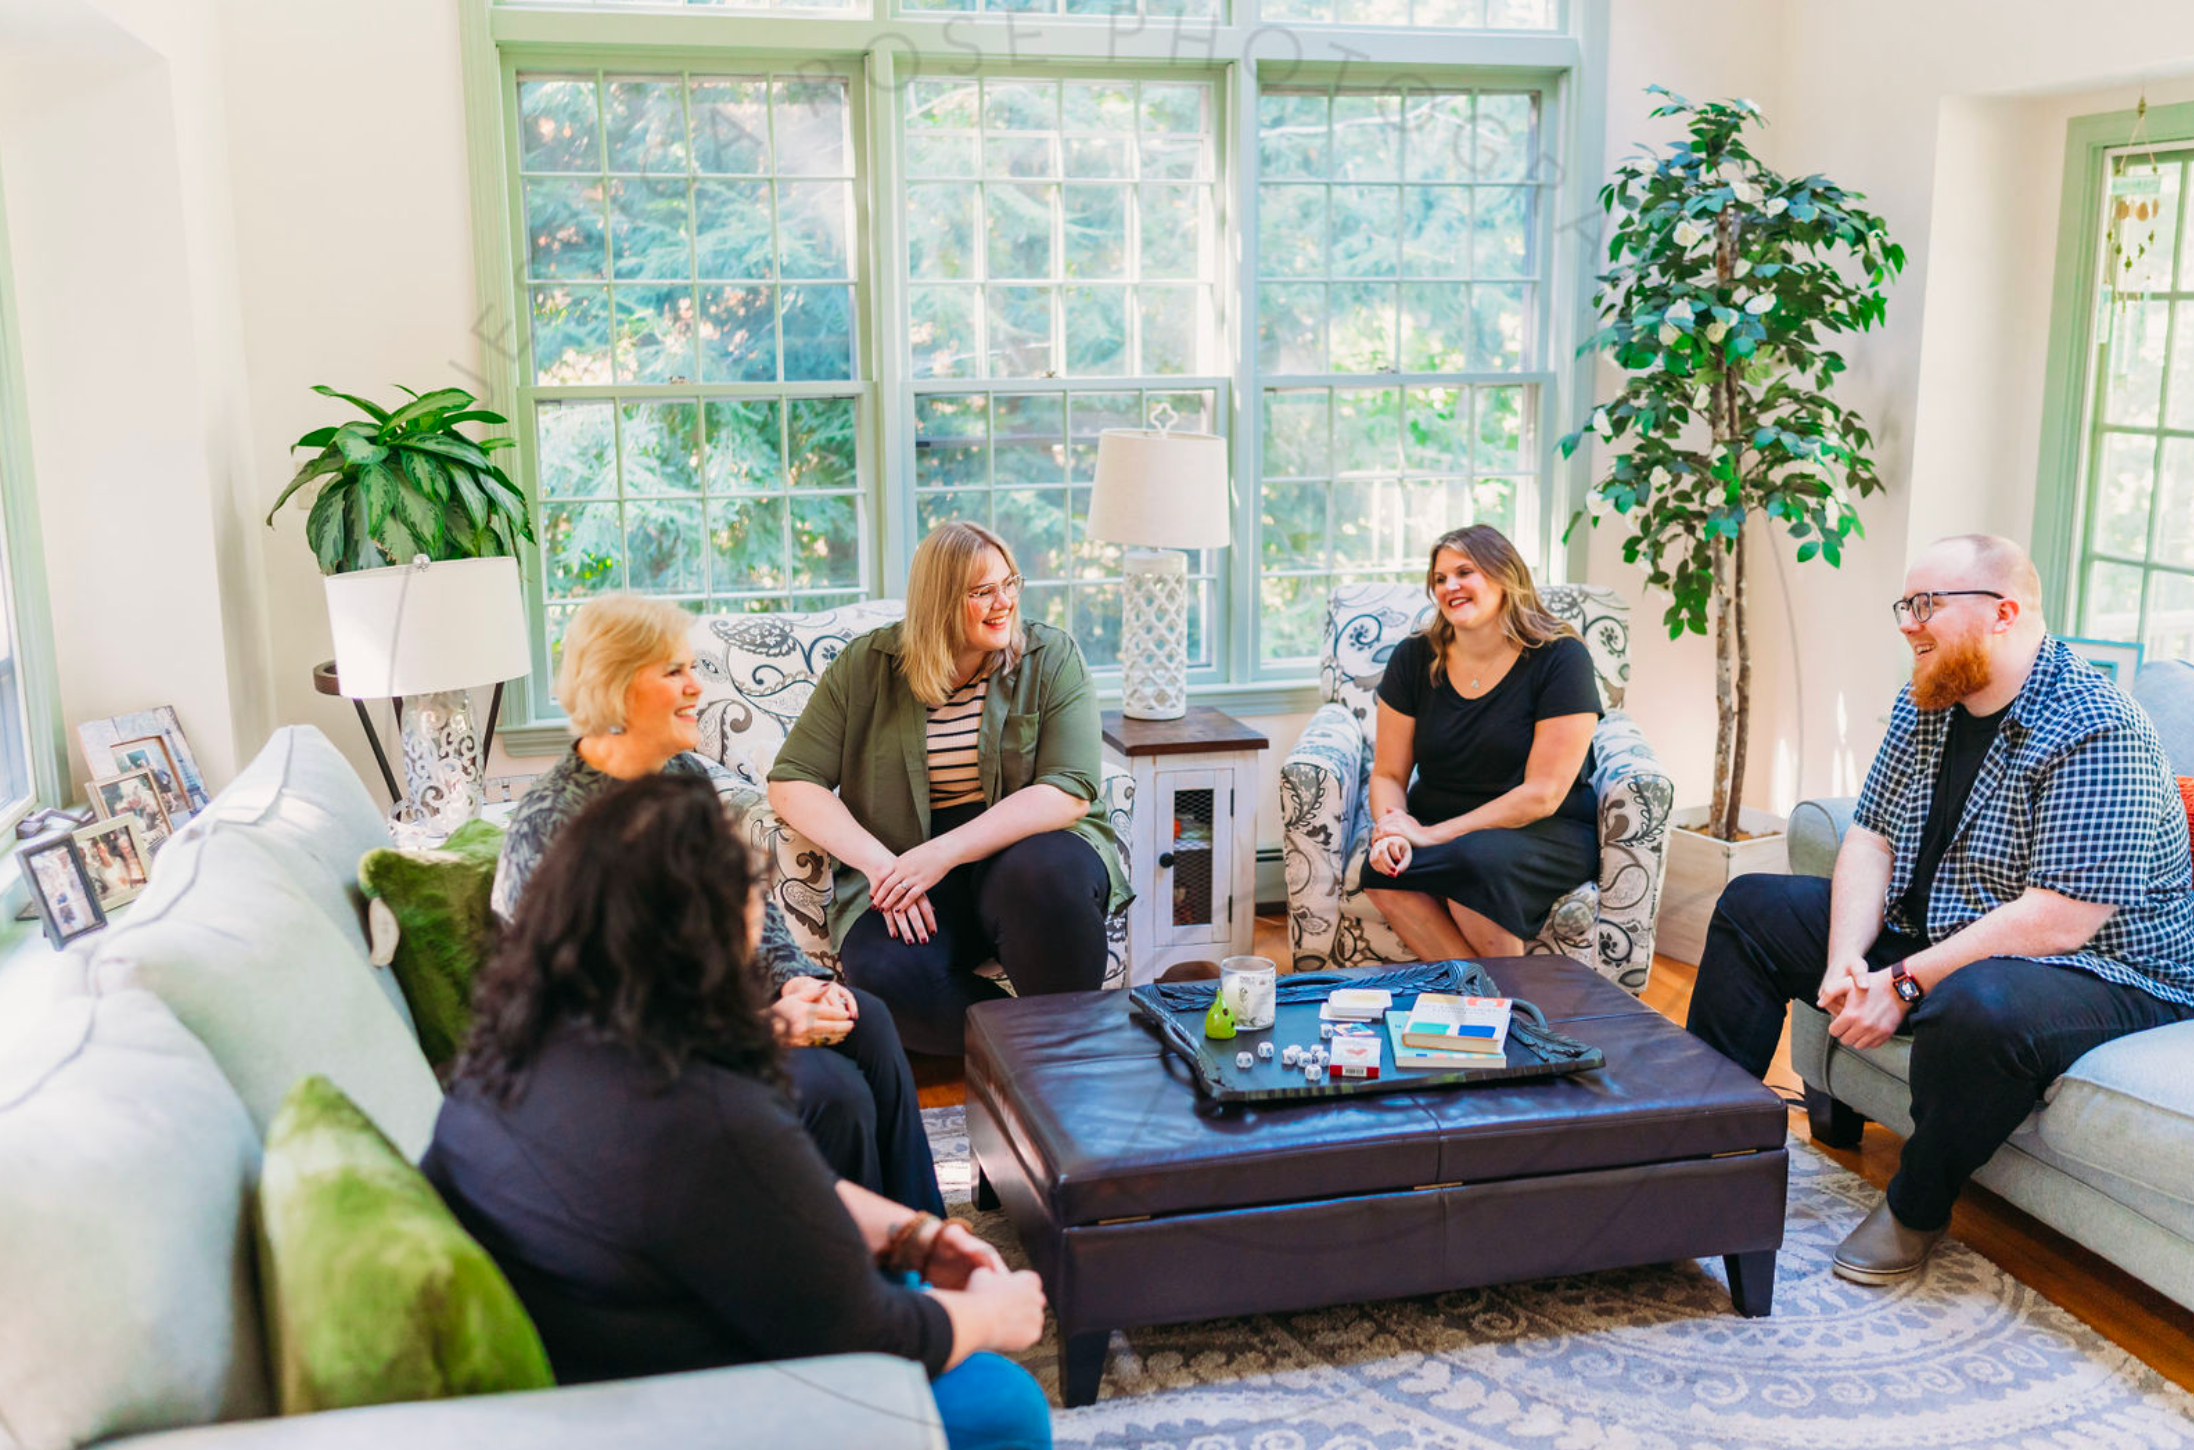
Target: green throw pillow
(445, 927)
(374, 1293)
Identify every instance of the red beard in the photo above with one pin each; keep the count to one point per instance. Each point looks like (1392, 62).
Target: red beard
(1952, 672)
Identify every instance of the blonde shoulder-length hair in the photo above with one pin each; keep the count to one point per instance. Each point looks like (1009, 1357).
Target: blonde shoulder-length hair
(1525, 621)
(608, 641)
(945, 567)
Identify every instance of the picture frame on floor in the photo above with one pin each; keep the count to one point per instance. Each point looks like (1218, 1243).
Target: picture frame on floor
(101, 739)
(132, 793)
(2115, 660)
(61, 889)
(116, 859)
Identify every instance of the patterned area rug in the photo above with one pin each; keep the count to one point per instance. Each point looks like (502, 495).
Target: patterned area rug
(1639, 1359)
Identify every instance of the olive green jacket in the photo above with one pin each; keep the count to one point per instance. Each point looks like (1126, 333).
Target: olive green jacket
(865, 735)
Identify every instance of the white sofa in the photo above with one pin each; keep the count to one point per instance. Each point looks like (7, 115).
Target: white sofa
(1325, 804)
(132, 1108)
(757, 673)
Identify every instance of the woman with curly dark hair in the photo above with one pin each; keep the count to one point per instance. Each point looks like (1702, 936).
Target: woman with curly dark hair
(620, 1137)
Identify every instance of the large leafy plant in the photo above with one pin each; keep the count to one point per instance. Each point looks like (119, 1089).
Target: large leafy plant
(404, 481)
(1725, 281)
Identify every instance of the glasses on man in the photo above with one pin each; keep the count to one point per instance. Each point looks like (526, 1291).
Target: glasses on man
(1922, 606)
(1008, 589)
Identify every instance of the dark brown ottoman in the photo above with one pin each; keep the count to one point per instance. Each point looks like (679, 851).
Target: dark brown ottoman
(1141, 1202)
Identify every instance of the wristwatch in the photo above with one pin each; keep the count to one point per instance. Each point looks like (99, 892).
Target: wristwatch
(1908, 986)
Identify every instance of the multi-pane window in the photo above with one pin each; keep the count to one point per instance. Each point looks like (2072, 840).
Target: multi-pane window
(1441, 14)
(1397, 234)
(16, 784)
(2136, 556)
(689, 256)
(1066, 231)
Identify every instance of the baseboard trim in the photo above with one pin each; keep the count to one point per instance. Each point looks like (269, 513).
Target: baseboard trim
(1271, 881)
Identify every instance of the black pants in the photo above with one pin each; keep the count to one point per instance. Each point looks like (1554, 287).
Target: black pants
(1987, 1040)
(1038, 906)
(858, 1102)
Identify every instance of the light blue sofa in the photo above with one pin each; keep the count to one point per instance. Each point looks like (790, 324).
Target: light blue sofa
(2108, 1159)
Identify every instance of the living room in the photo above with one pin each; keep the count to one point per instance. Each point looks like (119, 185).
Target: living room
(1356, 242)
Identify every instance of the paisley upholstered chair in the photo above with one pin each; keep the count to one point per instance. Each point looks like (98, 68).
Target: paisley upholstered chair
(1607, 923)
(757, 672)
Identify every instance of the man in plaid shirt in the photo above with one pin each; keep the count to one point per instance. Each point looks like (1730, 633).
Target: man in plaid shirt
(2015, 889)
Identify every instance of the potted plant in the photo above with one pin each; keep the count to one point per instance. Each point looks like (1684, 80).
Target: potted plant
(1726, 278)
(406, 483)
(417, 529)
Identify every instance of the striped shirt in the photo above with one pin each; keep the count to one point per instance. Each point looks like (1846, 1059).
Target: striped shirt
(954, 779)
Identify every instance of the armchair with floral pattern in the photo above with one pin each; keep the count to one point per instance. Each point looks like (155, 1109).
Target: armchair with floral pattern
(1606, 923)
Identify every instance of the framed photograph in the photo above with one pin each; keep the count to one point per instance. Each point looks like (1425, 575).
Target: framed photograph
(67, 902)
(2115, 660)
(100, 737)
(151, 753)
(115, 858)
(132, 794)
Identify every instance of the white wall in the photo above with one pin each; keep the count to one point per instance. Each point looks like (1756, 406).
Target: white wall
(1950, 116)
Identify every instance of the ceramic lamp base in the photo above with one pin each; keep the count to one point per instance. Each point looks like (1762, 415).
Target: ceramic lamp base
(1154, 635)
(442, 767)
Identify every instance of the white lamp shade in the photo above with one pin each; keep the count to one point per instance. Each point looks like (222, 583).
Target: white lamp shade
(412, 630)
(1161, 490)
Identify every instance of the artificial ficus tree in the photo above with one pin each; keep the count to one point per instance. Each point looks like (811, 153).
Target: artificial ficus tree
(1725, 278)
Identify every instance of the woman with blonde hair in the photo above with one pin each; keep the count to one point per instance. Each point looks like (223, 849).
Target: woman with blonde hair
(626, 682)
(1491, 708)
(949, 763)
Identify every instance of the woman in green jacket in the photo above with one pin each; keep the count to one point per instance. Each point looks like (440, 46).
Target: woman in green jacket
(949, 764)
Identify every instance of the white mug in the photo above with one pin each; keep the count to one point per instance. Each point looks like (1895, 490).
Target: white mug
(1251, 988)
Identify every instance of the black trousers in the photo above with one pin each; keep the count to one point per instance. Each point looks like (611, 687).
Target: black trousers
(1987, 1040)
(1038, 906)
(858, 1102)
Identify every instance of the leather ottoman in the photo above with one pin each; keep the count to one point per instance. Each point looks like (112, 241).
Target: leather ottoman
(1141, 1202)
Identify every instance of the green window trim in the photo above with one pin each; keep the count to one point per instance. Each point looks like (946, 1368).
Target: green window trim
(2075, 380)
(888, 45)
(36, 665)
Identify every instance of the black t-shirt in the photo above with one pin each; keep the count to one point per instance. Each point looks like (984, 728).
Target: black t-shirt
(1471, 751)
(1963, 748)
(653, 1230)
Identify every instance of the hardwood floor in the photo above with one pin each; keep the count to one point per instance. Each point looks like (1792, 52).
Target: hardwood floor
(2116, 1305)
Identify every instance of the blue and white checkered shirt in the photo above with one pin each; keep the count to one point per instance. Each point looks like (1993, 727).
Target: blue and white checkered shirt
(2075, 796)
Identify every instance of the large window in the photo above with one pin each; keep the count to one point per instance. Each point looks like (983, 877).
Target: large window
(689, 252)
(2134, 572)
(27, 694)
(1397, 236)
(783, 316)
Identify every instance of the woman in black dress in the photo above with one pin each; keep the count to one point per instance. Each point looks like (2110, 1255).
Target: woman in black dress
(1492, 708)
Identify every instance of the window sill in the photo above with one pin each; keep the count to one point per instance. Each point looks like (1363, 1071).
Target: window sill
(1278, 697)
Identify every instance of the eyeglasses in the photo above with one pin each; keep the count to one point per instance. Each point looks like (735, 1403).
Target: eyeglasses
(1922, 606)
(1008, 589)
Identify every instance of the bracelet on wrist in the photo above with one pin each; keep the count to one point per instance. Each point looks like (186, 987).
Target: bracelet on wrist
(900, 1249)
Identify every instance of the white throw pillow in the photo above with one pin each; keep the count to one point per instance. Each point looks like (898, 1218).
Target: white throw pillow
(250, 963)
(127, 1298)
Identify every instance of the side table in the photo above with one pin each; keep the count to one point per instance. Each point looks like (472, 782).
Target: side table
(1194, 850)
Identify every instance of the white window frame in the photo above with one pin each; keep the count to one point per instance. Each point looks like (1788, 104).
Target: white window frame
(1237, 52)
(40, 733)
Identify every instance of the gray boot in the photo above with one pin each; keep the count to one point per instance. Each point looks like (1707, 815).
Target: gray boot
(1881, 1250)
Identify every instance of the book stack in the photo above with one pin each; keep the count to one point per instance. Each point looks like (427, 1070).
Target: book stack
(1447, 1031)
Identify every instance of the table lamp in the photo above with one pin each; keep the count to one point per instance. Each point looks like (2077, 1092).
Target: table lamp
(1158, 492)
(424, 634)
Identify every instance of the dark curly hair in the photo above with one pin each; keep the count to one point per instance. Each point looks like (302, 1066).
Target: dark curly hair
(634, 926)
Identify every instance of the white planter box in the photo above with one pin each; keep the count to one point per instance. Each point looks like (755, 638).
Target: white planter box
(1700, 866)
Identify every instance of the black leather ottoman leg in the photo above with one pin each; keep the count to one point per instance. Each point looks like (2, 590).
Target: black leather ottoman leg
(986, 1197)
(1082, 1366)
(1751, 1282)
(1834, 1125)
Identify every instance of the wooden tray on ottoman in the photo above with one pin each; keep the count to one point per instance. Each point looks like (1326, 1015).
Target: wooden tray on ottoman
(1142, 1202)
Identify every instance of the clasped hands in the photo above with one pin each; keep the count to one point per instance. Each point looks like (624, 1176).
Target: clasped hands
(813, 1012)
(899, 887)
(1395, 838)
(1863, 1002)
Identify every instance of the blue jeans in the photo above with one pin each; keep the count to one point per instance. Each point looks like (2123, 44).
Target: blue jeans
(990, 1403)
